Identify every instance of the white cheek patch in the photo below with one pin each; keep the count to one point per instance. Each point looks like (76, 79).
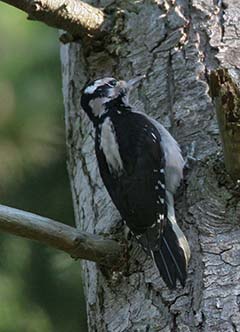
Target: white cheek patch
(110, 147)
(97, 106)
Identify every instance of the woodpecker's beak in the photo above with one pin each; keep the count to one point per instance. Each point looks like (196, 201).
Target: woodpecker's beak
(131, 83)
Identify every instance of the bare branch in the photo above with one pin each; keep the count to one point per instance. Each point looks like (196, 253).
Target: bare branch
(58, 235)
(74, 16)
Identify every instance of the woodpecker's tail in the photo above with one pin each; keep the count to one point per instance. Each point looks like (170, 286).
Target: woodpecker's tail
(173, 256)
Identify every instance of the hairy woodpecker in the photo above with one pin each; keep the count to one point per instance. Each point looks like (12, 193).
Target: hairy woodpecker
(141, 166)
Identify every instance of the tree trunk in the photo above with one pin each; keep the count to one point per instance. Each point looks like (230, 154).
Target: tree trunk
(175, 43)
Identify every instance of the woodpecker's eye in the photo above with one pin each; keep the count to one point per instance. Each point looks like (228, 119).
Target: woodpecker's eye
(112, 83)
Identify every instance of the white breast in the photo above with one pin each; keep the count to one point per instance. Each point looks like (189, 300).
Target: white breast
(110, 147)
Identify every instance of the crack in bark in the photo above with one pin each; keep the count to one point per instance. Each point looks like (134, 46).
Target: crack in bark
(222, 6)
(171, 93)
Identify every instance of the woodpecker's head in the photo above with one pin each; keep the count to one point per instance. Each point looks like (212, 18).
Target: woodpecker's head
(98, 94)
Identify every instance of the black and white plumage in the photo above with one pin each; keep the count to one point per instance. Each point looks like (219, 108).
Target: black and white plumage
(141, 166)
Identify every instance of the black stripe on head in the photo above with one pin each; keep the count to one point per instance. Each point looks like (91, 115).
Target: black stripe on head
(99, 88)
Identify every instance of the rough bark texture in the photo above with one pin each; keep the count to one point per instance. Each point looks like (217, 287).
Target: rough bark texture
(175, 44)
(226, 97)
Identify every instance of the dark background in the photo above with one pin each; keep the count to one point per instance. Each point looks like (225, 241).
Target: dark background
(40, 288)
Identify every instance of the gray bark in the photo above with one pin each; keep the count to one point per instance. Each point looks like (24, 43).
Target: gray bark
(175, 43)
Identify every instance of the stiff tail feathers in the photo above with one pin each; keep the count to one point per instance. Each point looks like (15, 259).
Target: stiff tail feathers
(172, 257)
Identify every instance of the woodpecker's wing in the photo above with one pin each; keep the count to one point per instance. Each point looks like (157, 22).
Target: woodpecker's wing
(139, 193)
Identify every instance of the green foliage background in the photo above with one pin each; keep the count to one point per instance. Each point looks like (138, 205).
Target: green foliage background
(40, 288)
